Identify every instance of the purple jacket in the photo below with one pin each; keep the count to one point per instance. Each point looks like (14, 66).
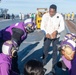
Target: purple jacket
(7, 32)
(71, 65)
(5, 64)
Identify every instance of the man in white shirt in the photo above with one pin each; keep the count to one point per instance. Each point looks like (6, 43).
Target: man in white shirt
(52, 25)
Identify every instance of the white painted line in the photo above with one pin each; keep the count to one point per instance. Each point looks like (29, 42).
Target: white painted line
(5, 20)
(48, 66)
(30, 42)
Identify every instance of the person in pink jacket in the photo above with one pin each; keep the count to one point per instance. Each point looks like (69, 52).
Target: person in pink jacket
(6, 58)
(17, 33)
(68, 51)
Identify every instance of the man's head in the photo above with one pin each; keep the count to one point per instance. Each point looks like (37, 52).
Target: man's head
(68, 49)
(33, 67)
(52, 10)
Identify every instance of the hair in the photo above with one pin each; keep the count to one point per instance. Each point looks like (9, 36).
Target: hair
(33, 67)
(53, 6)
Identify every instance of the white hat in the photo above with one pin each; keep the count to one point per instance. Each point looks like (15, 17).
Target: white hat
(7, 47)
(27, 21)
(69, 42)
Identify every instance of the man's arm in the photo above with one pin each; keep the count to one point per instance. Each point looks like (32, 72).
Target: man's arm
(61, 26)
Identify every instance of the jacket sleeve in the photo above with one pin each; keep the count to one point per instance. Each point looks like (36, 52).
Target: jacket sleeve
(61, 26)
(5, 69)
(24, 37)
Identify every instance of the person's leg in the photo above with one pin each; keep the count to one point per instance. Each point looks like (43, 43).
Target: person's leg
(16, 39)
(45, 50)
(1, 41)
(54, 56)
(15, 64)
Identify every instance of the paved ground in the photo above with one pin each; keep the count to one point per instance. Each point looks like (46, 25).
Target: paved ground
(74, 20)
(71, 25)
(32, 48)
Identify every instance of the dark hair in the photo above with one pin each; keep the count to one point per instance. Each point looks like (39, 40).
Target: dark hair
(53, 6)
(33, 67)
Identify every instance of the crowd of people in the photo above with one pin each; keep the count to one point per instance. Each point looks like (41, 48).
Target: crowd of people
(30, 15)
(52, 25)
(70, 16)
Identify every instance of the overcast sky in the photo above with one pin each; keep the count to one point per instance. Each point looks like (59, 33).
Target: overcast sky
(29, 6)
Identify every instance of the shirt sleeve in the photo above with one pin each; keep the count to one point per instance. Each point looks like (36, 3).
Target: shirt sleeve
(61, 26)
(43, 24)
(5, 69)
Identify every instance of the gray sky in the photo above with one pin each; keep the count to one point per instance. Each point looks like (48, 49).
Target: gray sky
(29, 6)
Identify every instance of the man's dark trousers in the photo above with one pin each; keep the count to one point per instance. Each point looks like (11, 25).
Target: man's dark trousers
(47, 43)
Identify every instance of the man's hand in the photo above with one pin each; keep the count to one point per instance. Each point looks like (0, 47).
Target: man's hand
(53, 35)
(47, 35)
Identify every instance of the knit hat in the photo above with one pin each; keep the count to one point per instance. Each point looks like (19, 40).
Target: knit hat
(7, 47)
(69, 42)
